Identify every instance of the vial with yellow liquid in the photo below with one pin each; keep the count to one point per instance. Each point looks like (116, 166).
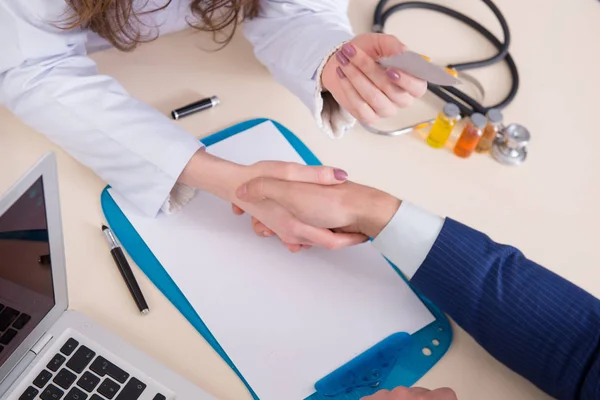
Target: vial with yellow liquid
(443, 125)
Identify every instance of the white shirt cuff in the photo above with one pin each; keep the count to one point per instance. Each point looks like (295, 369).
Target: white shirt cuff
(408, 237)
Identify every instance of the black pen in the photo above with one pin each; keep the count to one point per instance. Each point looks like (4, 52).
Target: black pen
(125, 270)
(200, 105)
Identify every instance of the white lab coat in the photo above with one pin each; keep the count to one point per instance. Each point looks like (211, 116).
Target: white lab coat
(47, 80)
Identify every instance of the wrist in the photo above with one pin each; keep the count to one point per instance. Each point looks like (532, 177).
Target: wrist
(213, 174)
(377, 210)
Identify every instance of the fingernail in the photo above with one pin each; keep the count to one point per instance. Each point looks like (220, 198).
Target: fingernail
(241, 191)
(349, 50)
(340, 73)
(393, 75)
(342, 59)
(340, 174)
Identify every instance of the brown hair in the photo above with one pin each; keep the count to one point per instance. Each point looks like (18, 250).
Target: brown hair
(118, 21)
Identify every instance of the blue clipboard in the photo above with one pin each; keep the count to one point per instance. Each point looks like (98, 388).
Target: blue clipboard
(399, 360)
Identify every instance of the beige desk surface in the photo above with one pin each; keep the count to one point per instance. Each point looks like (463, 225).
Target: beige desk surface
(548, 207)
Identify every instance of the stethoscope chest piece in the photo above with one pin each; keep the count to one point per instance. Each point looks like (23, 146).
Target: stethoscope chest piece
(510, 148)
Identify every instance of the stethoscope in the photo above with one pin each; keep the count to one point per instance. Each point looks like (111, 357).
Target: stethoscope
(511, 145)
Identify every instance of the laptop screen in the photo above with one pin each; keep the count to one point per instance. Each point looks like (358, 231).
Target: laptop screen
(26, 290)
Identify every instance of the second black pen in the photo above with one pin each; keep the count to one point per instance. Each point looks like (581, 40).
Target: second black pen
(125, 269)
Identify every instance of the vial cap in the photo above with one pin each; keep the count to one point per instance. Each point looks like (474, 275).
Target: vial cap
(478, 120)
(451, 110)
(494, 116)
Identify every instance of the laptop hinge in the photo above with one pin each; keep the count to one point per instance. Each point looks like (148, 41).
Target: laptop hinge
(40, 344)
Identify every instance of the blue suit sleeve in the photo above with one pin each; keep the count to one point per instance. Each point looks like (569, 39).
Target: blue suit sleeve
(532, 320)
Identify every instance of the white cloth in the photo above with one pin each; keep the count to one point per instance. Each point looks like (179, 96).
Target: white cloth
(47, 80)
(408, 237)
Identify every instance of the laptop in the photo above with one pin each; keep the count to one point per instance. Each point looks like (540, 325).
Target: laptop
(48, 352)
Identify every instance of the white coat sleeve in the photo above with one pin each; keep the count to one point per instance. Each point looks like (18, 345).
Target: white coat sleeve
(47, 80)
(294, 38)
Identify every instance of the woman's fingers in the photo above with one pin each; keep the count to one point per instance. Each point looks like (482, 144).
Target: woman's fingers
(356, 105)
(289, 171)
(236, 210)
(304, 236)
(382, 45)
(309, 235)
(261, 229)
(415, 87)
(294, 248)
(383, 91)
(368, 78)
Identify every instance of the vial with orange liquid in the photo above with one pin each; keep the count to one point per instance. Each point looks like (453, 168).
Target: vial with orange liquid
(443, 125)
(470, 136)
(491, 131)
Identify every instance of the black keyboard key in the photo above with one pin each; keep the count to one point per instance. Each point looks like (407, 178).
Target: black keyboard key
(1, 306)
(56, 363)
(132, 391)
(42, 379)
(64, 378)
(82, 357)
(76, 394)
(109, 389)
(96, 397)
(103, 367)
(8, 336)
(51, 393)
(21, 321)
(7, 316)
(69, 347)
(29, 394)
(159, 397)
(1, 348)
(88, 381)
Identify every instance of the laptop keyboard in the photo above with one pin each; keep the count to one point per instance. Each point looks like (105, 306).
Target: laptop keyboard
(11, 322)
(77, 373)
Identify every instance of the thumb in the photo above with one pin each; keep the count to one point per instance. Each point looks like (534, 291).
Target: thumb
(383, 45)
(259, 189)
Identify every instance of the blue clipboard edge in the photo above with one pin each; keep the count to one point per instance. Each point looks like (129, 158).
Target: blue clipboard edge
(436, 337)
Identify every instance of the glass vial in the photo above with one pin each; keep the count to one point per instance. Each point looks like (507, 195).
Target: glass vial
(443, 125)
(470, 136)
(491, 130)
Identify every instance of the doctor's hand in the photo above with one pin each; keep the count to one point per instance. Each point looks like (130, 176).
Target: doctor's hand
(347, 207)
(364, 88)
(403, 393)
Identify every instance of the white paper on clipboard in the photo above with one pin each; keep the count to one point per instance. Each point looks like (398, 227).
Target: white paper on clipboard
(285, 320)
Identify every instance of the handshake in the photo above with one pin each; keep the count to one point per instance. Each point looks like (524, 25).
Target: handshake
(312, 206)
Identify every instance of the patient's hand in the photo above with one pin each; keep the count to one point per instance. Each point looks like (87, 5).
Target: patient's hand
(347, 207)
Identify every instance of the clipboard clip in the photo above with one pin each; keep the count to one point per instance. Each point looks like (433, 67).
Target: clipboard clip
(367, 370)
